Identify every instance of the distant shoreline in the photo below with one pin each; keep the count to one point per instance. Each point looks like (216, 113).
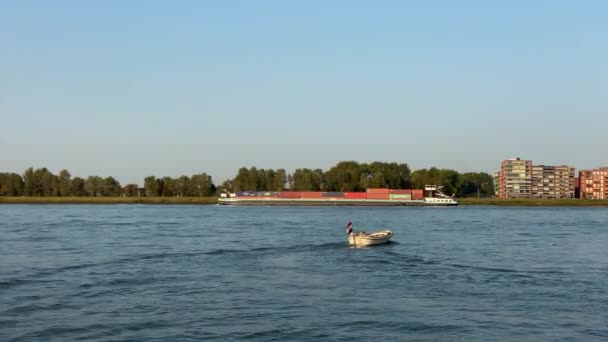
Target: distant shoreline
(108, 200)
(213, 200)
(536, 202)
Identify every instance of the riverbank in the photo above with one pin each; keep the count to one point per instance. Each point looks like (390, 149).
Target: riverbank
(213, 200)
(108, 200)
(563, 202)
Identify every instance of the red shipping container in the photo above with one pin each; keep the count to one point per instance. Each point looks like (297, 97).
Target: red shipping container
(401, 191)
(289, 194)
(377, 196)
(378, 191)
(310, 194)
(417, 194)
(355, 195)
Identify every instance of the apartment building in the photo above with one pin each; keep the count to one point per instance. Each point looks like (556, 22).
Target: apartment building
(515, 179)
(522, 179)
(594, 183)
(553, 181)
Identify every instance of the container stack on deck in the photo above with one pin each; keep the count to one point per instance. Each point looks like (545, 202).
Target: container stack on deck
(246, 194)
(267, 194)
(289, 194)
(401, 194)
(417, 194)
(311, 194)
(370, 194)
(355, 195)
(378, 194)
(335, 194)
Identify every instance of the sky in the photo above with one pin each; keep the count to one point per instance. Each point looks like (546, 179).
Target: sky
(167, 88)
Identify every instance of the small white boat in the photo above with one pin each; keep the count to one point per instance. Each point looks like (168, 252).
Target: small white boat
(365, 239)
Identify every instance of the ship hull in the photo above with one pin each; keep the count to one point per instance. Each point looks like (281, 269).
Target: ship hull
(321, 202)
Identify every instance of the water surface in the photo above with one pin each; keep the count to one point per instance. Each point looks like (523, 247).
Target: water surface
(160, 273)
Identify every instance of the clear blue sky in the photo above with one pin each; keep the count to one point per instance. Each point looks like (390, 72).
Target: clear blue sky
(136, 88)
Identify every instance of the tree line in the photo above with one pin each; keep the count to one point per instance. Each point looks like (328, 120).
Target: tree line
(354, 176)
(344, 176)
(43, 183)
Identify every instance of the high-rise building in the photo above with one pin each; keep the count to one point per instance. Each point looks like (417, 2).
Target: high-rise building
(515, 180)
(553, 181)
(594, 183)
(521, 179)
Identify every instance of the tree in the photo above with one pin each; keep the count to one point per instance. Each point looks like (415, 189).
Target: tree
(169, 187)
(64, 183)
(40, 182)
(50, 182)
(364, 181)
(449, 179)
(111, 187)
(77, 187)
(94, 186)
(151, 186)
(227, 186)
(11, 184)
(182, 186)
(423, 177)
(290, 182)
(29, 182)
(202, 185)
(344, 176)
(130, 190)
(378, 180)
(308, 180)
(241, 180)
(280, 178)
(302, 180)
(252, 179)
(478, 184)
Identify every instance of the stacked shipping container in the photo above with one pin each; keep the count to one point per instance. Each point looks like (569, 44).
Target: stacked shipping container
(372, 194)
(311, 194)
(378, 194)
(333, 194)
(417, 194)
(246, 194)
(401, 194)
(355, 195)
(289, 194)
(267, 193)
(318, 194)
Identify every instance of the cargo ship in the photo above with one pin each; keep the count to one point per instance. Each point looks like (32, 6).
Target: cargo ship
(371, 197)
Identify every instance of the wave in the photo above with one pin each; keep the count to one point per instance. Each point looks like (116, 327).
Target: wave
(505, 270)
(36, 276)
(378, 255)
(15, 282)
(89, 332)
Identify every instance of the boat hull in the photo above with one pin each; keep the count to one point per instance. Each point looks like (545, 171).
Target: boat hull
(322, 202)
(377, 238)
(440, 201)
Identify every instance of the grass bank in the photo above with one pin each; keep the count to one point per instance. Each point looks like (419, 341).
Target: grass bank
(109, 200)
(564, 202)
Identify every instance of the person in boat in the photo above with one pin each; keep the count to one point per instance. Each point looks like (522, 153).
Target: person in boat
(349, 229)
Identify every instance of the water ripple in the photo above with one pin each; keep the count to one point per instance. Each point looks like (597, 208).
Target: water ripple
(177, 273)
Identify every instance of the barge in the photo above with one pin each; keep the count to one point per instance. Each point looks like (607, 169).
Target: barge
(372, 197)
